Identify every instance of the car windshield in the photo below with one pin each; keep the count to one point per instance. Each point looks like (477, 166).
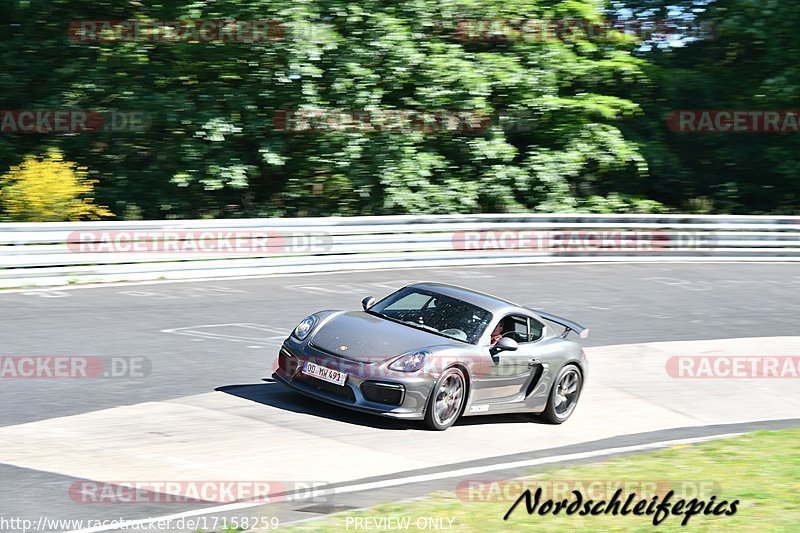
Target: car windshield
(439, 314)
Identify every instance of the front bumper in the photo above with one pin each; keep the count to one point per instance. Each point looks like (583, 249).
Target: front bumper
(363, 379)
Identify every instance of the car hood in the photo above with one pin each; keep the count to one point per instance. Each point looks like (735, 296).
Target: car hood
(369, 338)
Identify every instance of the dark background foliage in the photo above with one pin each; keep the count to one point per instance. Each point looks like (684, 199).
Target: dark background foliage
(577, 124)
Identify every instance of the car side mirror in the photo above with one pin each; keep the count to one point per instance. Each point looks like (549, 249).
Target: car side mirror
(367, 302)
(507, 344)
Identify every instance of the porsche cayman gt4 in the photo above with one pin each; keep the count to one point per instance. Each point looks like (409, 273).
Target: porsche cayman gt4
(436, 352)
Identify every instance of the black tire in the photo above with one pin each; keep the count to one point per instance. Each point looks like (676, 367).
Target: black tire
(556, 413)
(435, 420)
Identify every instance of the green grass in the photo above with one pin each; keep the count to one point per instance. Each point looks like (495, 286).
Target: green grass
(761, 470)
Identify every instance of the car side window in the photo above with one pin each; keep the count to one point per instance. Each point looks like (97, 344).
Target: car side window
(516, 327)
(537, 330)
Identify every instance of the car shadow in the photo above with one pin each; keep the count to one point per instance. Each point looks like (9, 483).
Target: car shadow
(276, 395)
(516, 418)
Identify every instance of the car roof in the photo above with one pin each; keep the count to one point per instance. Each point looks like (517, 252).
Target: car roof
(491, 303)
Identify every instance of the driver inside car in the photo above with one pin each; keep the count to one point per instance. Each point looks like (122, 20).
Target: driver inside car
(497, 333)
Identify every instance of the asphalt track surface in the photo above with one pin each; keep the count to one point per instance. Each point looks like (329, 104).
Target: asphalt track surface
(202, 336)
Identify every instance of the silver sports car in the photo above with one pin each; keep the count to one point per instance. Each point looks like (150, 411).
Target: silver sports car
(435, 352)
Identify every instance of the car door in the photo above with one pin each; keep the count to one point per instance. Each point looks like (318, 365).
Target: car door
(505, 376)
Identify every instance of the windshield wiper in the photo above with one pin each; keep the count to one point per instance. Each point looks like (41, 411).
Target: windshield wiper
(422, 326)
(431, 329)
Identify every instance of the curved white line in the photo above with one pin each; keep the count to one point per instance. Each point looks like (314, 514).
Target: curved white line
(358, 487)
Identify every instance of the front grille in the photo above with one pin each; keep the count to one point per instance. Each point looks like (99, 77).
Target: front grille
(385, 393)
(344, 392)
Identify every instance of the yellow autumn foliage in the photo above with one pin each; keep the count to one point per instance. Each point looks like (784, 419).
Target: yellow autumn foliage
(49, 189)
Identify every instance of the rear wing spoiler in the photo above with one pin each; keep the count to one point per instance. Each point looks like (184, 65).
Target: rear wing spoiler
(568, 324)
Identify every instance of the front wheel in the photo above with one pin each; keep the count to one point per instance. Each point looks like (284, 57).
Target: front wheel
(447, 400)
(563, 395)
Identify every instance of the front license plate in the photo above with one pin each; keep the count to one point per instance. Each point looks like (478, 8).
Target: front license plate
(325, 374)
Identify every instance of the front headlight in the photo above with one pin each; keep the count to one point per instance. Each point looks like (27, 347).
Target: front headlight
(304, 327)
(410, 362)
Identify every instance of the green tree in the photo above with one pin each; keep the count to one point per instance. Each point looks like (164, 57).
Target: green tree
(748, 61)
(212, 149)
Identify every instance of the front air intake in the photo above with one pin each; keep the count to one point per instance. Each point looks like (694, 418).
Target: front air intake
(385, 393)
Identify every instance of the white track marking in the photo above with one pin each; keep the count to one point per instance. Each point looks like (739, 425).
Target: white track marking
(345, 270)
(182, 293)
(345, 288)
(206, 331)
(358, 487)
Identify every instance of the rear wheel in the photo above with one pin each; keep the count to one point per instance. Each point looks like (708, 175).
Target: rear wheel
(447, 400)
(563, 395)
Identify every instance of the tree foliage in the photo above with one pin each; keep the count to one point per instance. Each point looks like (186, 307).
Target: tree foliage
(747, 62)
(577, 124)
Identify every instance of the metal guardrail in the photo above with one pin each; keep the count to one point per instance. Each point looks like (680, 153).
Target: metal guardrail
(33, 254)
